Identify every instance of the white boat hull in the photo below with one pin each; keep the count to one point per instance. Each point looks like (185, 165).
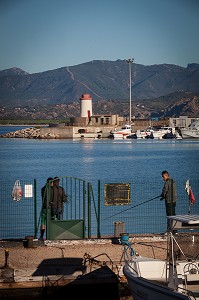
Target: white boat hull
(142, 289)
(192, 131)
(189, 134)
(121, 133)
(175, 278)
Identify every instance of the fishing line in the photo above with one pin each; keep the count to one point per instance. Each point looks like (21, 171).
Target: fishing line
(132, 207)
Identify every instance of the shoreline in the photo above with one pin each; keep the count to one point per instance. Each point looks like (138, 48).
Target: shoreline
(17, 125)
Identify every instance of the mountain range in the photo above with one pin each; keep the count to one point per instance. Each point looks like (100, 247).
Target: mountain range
(159, 87)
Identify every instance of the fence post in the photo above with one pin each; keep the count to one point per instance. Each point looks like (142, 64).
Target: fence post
(99, 213)
(84, 206)
(89, 211)
(35, 207)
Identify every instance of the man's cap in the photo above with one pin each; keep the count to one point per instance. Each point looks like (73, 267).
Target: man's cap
(49, 179)
(56, 178)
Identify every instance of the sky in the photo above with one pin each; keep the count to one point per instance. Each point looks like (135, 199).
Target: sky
(42, 35)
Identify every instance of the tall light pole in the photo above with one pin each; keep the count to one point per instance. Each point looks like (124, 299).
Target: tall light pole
(130, 61)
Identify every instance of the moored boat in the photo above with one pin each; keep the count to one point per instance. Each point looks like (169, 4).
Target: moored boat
(158, 133)
(121, 133)
(192, 131)
(176, 277)
(164, 132)
(144, 134)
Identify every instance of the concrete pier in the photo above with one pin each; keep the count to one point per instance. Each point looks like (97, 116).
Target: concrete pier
(83, 268)
(61, 132)
(46, 269)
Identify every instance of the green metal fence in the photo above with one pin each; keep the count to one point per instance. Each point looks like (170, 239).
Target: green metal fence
(17, 217)
(22, 217)
(135, 206)
(106, 207)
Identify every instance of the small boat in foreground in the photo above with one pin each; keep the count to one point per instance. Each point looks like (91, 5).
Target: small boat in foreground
(173, 278)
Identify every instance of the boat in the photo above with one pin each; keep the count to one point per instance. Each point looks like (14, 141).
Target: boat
(176, 277)
(158, 133)
(165, 132)
(145, 134)
(192, 131)
(121, 133)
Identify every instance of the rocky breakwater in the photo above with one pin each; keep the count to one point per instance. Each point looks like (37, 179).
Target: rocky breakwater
(30, 133)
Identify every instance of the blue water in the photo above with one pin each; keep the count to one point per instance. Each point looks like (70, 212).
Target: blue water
(97, 159)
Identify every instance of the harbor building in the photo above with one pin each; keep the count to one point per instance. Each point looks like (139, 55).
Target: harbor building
(181, 121)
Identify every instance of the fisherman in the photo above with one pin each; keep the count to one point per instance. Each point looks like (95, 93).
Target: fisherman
(59, 198)
(169, 194)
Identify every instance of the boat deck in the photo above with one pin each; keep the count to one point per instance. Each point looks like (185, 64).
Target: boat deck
(184, 221)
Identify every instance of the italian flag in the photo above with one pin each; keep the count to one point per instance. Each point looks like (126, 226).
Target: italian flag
(188, 189)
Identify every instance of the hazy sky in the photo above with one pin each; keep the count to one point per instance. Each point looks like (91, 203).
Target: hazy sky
(40, 35)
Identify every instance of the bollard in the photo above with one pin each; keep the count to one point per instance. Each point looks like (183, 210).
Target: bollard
(6, 258)
(28, 242)
(118, 229)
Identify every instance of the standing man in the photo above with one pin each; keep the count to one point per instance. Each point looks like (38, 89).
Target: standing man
(59, 198)
(44, 196)
(169, 194)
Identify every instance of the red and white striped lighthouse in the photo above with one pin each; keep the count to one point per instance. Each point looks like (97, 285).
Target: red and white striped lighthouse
(86, 105)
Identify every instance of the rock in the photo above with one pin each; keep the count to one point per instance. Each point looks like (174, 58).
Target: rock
(30, 133)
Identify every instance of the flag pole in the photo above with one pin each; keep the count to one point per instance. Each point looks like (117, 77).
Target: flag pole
(189, 207)
(187, 189)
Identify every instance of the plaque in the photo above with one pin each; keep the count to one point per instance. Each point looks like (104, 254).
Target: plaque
(117, 193)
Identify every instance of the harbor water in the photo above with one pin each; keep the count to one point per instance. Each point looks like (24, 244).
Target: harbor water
(92, 159)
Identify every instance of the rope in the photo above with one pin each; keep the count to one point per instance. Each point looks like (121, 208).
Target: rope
(132, 207)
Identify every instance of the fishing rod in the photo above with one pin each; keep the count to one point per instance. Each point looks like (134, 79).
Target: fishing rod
(132, 207)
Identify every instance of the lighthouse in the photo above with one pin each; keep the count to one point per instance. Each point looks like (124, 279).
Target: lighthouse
(86, 105)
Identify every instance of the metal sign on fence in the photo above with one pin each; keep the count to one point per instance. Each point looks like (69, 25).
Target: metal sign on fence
(117, 193)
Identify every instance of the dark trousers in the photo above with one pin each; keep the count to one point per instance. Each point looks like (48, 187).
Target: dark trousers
(170, 211)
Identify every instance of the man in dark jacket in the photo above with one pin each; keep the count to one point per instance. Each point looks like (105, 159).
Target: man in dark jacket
(59, 198)
(169, 194)
(46, 195)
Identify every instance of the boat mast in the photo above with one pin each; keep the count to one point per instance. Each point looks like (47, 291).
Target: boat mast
(130, 61)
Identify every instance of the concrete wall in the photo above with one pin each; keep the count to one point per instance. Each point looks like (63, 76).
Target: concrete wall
(60, 132)
(73, 132)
